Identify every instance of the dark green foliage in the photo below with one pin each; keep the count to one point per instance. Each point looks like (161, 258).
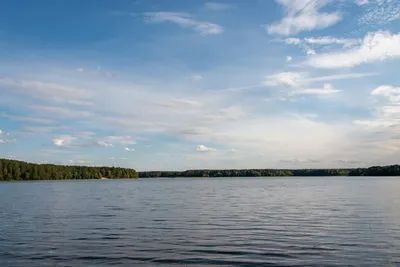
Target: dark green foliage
(393, 170)
(19, 170)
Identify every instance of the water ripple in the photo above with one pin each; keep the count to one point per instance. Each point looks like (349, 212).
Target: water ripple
(201, 222)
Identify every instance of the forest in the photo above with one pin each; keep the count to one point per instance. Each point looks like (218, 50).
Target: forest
(393, 170)
(19, 170)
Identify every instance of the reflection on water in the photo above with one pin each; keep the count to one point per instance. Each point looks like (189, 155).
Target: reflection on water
(333, 221)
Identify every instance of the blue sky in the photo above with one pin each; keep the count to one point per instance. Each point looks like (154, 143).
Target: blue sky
(171, 85)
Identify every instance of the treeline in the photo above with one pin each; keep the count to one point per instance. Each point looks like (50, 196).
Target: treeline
(18, 170)
(244, 173)
(393, 170)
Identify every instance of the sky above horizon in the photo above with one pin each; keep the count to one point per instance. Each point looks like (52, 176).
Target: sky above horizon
(174, 85)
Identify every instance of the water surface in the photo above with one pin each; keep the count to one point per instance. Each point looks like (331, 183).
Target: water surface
(335, 221)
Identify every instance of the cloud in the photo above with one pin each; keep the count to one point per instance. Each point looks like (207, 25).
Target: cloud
(28, 119)
(289, 58)
(218, 6)
(378, 12)
(310, 44)
(80, 69)
(186, 21)
(202, 148)
(311, 52)
(376, 46)
(340, 77)
(326, 90)
(226, 114)
(303, 15)
(175, 103)
(51, 92)
(347, 162)
(387, 109)
(361, 2)
(194, 131)
(60, 112)
(388, 91)
(78, 162)
(299, 161)
(301, 79)
(287, 79)
(119, 140)
(197, 77)
(322, 41)
(129, 149)
(65, 141)
(7, 141)
(328, 40)
(104, 144)
(87, 139)
(40, 129)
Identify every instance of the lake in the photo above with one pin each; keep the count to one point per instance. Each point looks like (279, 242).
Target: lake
(332, 221)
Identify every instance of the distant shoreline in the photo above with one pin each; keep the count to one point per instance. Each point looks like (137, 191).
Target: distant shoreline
(13, 170)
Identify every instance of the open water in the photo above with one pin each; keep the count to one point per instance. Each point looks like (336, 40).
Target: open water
(333, 221)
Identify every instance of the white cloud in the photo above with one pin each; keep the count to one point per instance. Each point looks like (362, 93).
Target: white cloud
(303, 15)
(218, 6)
(197, 77)
(202, 148)
(51, 92)
(129, 149)
(7, 141)
(361, 2)
(186, 21)
(80, 69)
(288, 79)
(104, 144)
(387, 113)
(28, 119)
(289, 58)
(311, 52)
(120, 140)
(179, 103)
(294, 41)
(326, 90)
(378, 12)
(376, 46)
(40, 129)
(328, 40)
(60, 112)
(226, 114)
(301, 83)
(310, 44)
(198, 117)
(301, 79)
(87, 139)
(340, 77)
(65, 141)
(387, 91)
(299, 161)
(347, 161)
(78, 162)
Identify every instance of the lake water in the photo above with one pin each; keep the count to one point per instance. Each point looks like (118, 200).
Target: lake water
(334, 221)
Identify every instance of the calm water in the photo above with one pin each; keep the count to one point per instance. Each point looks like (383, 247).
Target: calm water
(201, 222)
